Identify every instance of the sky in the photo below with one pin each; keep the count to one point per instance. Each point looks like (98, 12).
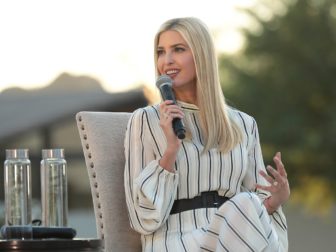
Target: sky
(111, 41)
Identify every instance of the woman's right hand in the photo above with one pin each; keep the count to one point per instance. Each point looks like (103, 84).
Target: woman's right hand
(169, 111)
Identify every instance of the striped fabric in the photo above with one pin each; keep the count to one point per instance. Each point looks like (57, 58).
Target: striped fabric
(240, 224)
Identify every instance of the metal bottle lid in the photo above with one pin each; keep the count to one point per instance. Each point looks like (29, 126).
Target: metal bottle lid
(52, 153)
(17, 153)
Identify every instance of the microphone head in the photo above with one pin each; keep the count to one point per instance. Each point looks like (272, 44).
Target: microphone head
(164, 79)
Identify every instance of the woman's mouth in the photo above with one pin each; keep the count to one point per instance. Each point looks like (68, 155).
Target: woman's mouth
(172, 72)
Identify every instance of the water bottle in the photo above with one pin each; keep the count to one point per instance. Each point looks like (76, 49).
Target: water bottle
(18, 198)
(54, 193)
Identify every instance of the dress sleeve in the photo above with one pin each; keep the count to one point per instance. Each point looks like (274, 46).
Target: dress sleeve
(255, 165)
(149, 189)
(255, 162)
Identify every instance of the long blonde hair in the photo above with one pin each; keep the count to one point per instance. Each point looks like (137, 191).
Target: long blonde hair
(217, 127)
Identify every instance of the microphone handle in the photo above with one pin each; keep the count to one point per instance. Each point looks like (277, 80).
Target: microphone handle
(33, 232)
(168, 94)
(179, 128)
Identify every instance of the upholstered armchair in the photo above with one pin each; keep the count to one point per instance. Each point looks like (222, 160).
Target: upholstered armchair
(102, 138)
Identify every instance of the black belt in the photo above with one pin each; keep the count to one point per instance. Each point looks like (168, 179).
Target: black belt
(205, 200)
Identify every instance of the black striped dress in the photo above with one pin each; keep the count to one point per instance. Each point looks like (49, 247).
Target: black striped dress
(240, 224)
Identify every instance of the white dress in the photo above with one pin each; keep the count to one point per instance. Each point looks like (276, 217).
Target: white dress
(240, 224)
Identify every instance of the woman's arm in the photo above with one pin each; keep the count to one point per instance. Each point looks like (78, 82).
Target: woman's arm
(149, 188)
(273, 192)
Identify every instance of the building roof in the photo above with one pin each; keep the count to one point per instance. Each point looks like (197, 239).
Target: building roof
(22, 110)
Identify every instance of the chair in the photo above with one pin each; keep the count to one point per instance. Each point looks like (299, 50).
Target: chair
(102, 139)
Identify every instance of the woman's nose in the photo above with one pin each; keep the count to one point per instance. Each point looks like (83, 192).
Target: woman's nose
(169, 59)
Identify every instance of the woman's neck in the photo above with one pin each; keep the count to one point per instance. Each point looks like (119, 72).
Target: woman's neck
(188, 96)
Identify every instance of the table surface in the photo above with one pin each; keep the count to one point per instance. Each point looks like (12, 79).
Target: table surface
(64, 245)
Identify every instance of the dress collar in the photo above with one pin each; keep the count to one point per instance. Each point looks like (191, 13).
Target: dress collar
(188, 106)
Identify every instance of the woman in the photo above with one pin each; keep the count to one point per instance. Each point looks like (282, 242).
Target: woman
(209, 191)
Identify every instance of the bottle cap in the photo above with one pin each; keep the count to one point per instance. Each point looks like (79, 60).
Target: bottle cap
(52, 153)
(17, 153)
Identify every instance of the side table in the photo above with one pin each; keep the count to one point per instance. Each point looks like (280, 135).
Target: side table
(52, 245)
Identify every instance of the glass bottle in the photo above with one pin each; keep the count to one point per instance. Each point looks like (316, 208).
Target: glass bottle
(54, 188)
(18, 198)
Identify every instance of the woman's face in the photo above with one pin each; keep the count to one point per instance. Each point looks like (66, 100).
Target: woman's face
(176, 60)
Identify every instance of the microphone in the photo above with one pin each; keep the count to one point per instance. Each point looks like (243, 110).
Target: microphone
(33, 232)
(165, 84)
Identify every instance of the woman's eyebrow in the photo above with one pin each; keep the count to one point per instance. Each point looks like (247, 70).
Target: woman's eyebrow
(172, 46)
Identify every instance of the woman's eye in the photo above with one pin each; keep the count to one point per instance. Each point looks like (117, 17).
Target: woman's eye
(179, 49)
(159, 52)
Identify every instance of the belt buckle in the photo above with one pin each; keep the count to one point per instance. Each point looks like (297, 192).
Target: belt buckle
(210, 199)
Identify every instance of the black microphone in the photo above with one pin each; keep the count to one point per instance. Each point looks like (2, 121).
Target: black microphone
(33, 232)
(165, 84)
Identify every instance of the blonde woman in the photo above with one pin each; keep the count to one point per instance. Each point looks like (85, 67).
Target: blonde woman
(209, 191)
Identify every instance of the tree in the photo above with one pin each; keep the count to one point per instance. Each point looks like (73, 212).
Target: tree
(286, 78)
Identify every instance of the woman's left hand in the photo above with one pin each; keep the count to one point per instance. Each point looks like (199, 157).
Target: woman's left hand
(279, 186)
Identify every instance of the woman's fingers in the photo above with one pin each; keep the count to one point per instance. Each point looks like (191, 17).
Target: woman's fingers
(275, 173)
(265, 188)
(266, 176)
(273, 184)
(169, 110)
(279, 186)
(279, 165)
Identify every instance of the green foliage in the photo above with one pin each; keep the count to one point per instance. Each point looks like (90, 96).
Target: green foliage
(286, 78)
(309, 195)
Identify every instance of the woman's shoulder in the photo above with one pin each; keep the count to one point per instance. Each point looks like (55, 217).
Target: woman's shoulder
(240, 117)
(149, 111)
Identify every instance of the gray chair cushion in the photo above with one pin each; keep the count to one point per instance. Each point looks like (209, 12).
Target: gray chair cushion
(102, 137)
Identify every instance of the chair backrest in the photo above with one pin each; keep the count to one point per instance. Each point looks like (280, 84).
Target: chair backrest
(102, 137)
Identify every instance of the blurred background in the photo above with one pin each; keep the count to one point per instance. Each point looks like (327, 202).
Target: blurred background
(277, 63)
